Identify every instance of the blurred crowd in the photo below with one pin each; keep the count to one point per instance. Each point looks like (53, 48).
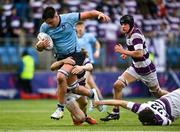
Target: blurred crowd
(159, 20)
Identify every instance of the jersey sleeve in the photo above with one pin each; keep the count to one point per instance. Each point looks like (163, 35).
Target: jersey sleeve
(72, 17)
(137, 41)
(135, 107)
(43, 28)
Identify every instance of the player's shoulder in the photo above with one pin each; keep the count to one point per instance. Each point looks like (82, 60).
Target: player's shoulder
(67, 14)
(63, 15)
(70, 15)
(44, 26)
(137, 33)
(89, 34)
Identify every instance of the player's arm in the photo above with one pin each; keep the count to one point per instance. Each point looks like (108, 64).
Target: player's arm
(94, 14)
(97, 49)
(41, 45)
(136, 54)
(165, 121)
(87, 67)
(56, 65)
(78, 69)
(121, 103)
(134, 107)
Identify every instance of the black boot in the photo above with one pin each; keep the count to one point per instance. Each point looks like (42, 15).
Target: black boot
(111, 116)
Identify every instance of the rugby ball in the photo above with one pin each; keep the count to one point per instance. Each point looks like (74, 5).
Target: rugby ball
(42, 36)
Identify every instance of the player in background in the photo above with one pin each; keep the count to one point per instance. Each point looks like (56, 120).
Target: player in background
(88, 41)
(61, 29)
(162, 111)
(76, 104)
(142, 68)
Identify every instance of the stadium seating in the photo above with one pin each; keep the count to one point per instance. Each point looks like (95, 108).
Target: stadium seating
(13, 55)
(3, 56)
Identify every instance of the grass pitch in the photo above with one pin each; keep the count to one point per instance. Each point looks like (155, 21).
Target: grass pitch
(34, 115)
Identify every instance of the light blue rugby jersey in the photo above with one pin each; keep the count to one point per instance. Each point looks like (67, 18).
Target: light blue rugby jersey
(64, 35)
(87, 41)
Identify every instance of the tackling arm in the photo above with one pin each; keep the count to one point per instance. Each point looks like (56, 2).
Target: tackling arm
(56, 65)
(121, 103)
(88, 67)
(78, 69)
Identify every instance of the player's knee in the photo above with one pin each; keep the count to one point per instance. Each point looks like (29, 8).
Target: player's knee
(78, 115)
(118, 86)
(62, 75)
(157, 92)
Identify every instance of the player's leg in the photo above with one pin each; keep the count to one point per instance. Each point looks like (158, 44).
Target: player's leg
(73, 82)
(62, 84)
(88, 86)
(77, 114)
(91, 93)
(90, 83)
(82, 101)
(65, 78)
(81, 90)
(157, 91)
(126, 78)
(152, 82)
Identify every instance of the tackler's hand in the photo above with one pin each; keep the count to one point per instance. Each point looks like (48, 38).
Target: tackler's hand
(69, 61)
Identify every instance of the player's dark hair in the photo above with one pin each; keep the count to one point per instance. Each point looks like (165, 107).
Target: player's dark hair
(48, 12)
(80, 23)
(127, 19)
(147, 117)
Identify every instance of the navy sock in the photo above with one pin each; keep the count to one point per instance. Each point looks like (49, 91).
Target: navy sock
(115, 111)
(60, 106)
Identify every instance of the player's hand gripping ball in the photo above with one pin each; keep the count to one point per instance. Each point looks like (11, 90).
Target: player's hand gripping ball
(42, 36)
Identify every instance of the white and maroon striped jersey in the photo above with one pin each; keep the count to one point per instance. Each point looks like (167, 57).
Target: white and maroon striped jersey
(137, 41)
(166, 109)
(159, 107)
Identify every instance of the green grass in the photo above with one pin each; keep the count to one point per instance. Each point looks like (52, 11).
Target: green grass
(34, 115)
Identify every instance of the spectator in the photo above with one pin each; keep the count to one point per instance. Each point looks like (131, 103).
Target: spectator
(14, 27)
(26, 72)
(28, 27)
